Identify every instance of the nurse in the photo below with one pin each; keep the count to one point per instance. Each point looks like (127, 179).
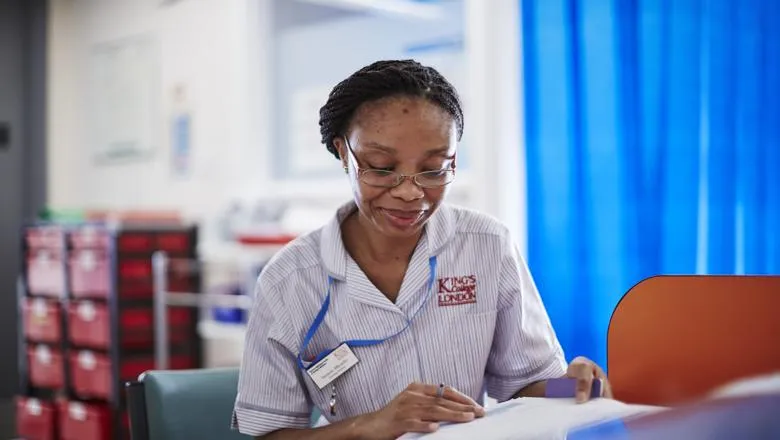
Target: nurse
(402, 311)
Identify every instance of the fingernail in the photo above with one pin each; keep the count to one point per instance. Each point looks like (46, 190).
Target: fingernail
(469, 415)
(581, 397)
(433, 426)
(478, 410)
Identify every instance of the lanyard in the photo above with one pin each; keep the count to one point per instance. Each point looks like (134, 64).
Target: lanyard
(358, 342)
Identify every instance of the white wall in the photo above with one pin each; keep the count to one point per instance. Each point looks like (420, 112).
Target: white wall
(493, 46)
(203, 45)
(220, 51)
(296, 58)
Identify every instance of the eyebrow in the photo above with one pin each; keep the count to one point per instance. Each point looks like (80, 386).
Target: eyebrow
(435, 152)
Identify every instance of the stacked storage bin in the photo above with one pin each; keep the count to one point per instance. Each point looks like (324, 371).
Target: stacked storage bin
(44, 345)
(96, 331)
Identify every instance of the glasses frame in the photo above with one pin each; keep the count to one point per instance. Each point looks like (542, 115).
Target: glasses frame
(400, 178)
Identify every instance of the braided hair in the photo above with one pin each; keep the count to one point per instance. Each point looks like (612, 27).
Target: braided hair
(384, 79)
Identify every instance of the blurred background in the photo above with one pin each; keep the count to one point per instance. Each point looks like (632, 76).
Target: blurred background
(618, 139)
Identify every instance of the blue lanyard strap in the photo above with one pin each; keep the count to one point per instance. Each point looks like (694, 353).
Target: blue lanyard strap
(315, 325)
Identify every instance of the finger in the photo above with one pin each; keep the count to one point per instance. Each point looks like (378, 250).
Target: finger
(450, 394)
(584, 386)
(420, 400)
(598, 371)
(583, 373)
(420, 426)
(606, 388)
(434, 412)
(453, 395)
(475, 409)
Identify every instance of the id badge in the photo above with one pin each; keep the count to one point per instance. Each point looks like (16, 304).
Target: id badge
(338, 362)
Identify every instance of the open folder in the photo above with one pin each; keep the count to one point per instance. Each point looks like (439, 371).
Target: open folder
(536, 418)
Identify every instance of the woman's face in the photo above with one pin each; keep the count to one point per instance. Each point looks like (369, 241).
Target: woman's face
(407, 136)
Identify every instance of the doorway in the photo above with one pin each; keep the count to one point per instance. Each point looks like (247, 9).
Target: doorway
(22, 167)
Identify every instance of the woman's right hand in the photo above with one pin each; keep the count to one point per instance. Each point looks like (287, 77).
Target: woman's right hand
(418, 409)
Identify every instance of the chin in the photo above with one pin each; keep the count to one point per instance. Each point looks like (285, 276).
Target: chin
(393, 232)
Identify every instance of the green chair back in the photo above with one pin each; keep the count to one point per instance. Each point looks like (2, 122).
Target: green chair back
(191, 404)
(186, 405)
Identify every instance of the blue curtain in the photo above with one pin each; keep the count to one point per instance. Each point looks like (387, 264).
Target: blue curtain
(653, 147)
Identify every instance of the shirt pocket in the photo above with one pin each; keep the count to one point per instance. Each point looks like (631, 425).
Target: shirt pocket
(470, 350)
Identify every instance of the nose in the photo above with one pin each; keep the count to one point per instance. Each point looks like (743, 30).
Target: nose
(407, 190)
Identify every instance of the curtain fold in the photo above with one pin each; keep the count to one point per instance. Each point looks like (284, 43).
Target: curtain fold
(653, 147)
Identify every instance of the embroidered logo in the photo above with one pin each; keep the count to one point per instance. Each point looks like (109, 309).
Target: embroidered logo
(454, 291)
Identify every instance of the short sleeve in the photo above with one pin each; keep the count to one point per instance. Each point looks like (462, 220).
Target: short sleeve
(525, 348)
(271, 392)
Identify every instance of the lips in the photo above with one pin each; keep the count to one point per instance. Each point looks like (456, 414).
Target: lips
(402, 218)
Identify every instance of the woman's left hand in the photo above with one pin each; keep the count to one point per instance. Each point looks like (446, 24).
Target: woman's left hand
(585, 371)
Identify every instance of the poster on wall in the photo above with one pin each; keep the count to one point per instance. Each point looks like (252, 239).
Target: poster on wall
(123, 109)
(304, 130)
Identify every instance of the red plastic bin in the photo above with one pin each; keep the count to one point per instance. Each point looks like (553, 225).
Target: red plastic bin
(45, 367)
(90, 238)
(42, 320)
(90, 273)
(91, 371)
(138, 326)
(144, 289)
(174, 242)
(35, 419)
(45, 273)
(135, 268)
(133, 242)
(89, 324)
(90, 374)
(45, 237)
(132, 368)
(84, 421)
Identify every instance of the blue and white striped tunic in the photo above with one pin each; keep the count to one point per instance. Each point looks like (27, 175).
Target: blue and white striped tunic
(483, 328)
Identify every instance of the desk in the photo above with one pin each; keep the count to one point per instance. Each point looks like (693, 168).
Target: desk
(754, 417)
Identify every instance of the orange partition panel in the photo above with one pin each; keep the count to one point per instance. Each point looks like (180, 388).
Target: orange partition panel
(673, 339)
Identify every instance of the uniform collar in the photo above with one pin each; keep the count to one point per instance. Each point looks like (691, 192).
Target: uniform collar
(438, 231)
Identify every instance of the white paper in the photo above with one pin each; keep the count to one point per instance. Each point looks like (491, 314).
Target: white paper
(77, 411)
(87, 360)
(123, 86)
(306, 149)
(86, 311)
(535, 418)
(34, 407)
(750, 386)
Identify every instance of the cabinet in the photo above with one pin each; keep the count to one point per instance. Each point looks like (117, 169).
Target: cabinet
(86, 314)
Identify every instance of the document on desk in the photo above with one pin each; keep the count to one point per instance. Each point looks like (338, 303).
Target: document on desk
(535, 419)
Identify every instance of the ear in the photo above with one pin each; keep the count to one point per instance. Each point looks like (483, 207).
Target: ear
(454, 161)
(341, 148)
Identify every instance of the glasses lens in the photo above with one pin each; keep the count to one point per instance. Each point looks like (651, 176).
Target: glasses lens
(435, 178)
(379, 178)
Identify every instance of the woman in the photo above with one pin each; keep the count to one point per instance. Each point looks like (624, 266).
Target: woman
(398, 314)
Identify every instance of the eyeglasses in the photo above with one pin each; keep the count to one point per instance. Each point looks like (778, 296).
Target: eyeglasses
(391, 179)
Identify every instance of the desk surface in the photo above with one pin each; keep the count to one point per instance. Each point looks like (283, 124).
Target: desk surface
(755, 417)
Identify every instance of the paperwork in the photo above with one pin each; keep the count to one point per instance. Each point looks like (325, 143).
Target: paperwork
(750, 386)
(535, 418)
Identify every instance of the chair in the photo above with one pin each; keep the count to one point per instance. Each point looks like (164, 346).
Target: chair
(674, 339)
(184, 404)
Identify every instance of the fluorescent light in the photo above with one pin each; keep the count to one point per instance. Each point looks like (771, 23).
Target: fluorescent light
(403, 8)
